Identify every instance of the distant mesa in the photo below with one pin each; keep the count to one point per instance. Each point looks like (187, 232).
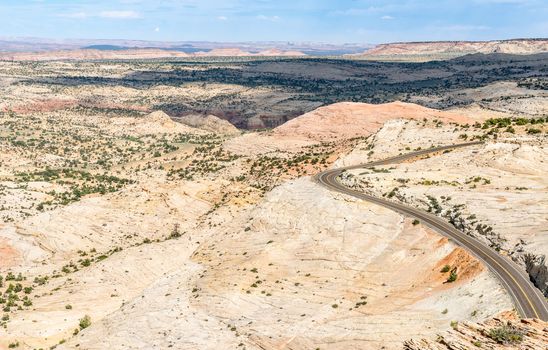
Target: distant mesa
(29, 49)
(105, 47)
(91, 54)
(111, 52)
(236, 52)
(425, 51)
(190, 47)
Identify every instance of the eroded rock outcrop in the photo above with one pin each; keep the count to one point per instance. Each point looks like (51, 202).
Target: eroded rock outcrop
(535, 266)
(503, 332)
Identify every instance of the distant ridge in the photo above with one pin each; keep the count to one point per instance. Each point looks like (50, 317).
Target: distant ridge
(136, 53)
(14, 44)
(439, 50)
(105, 47)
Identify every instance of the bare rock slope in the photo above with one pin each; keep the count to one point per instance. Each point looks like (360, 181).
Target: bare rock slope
(209, 123)
(349, 119)
(270, 279)
(500, 333)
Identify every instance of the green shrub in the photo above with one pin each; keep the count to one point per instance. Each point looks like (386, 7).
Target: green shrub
(452, 277)
(506, 334)
(446, 268)
(85, 322)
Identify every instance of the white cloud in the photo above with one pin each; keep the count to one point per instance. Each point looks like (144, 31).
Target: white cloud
(157, 29)
(387, 18)
(268, 18)
(222, 18)
(120, 14)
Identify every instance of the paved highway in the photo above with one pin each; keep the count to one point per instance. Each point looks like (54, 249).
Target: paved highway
(528, 300)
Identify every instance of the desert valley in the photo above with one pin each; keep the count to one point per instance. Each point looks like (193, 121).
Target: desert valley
(155, 199)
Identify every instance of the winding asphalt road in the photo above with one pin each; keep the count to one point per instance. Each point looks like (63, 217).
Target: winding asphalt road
(527, 298)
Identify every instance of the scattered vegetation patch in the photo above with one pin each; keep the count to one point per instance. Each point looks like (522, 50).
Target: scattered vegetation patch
(78, 183)
(506, 334)
(85, 322)
(16, 296)
(452, 276)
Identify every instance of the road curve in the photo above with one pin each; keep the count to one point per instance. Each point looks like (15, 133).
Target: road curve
(528, 300)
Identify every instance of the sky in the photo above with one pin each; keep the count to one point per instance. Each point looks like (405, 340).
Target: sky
(330, 21)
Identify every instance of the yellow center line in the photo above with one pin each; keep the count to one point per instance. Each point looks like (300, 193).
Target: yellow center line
(481, 248)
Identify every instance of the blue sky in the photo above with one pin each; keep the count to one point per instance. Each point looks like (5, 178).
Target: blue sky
(335, 21)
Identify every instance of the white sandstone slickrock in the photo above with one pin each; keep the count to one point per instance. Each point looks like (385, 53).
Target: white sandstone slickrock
(337, 251)
(296, 267)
